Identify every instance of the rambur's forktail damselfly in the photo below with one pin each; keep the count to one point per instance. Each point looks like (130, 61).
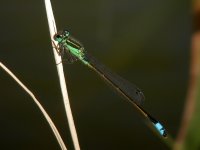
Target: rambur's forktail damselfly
(75, 51)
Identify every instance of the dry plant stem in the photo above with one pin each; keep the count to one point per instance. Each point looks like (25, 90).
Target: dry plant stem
(192, 88)
(192, 91)
(53, 31)
(53, 127)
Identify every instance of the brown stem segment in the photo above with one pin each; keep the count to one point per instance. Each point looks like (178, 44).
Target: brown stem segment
(193, 77)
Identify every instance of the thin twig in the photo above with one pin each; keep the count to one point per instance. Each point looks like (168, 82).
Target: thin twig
(53, 31)
(53, 127)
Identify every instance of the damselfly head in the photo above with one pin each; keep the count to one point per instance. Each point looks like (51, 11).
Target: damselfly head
(61, 35)
(65, 33)
(58, 37)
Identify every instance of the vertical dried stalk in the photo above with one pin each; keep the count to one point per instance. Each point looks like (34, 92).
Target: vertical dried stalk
(53, 30)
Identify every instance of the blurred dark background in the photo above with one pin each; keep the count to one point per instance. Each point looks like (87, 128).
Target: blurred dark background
(145, 41)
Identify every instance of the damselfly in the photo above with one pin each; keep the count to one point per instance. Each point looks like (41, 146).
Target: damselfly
(74, 50)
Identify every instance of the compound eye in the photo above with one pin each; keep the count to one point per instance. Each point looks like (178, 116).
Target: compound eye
(56, 37)
(66, 33)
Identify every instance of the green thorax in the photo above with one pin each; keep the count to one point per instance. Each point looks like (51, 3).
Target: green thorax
(75, 48)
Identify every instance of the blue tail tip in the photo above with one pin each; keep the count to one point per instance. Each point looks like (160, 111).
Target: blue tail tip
(161, 129)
